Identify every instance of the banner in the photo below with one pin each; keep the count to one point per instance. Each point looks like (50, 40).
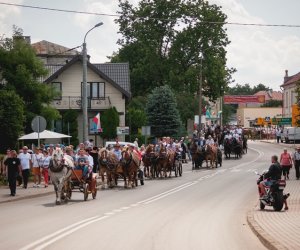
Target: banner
(97, 124)
(236, 99)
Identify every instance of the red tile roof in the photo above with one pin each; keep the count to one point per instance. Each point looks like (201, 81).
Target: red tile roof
(291, 80)
(48, 48)
(270, 95)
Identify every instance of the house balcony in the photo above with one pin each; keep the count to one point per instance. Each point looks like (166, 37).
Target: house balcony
(75, 102)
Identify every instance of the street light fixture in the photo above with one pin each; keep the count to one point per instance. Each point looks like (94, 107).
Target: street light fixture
(84, 85)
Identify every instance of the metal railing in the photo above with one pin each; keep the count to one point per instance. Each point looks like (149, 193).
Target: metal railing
(75, 102)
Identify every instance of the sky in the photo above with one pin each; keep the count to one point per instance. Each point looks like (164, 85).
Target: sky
(260, 54)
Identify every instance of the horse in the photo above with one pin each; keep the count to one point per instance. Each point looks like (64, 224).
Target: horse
(130, 162)
(198, 155)
(149, 161)
(162, 161)
(227, 147)
(171, 161)
(104, 167)
(237, 149)
(211, 155)
(60, 173)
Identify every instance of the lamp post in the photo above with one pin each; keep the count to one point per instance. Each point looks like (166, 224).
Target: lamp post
(84, 85)
(200, 95)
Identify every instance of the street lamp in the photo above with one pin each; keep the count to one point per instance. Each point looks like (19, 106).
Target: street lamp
(84, 85)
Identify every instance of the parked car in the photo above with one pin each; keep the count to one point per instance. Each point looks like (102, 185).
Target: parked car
(290, 134)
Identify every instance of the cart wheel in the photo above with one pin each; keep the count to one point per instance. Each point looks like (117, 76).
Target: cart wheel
(86, 191)
(180, 169)
(94, 193)
(176, 168)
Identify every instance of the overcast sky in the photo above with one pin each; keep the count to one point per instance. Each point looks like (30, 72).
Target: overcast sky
(260, 54)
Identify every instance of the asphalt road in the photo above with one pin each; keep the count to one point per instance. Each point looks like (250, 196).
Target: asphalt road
(204, 209)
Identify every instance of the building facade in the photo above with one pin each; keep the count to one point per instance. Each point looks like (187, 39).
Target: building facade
(289, 93)
(108, 85)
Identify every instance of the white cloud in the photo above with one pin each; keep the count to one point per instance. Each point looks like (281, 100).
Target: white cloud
(7, 11)
(258, 55)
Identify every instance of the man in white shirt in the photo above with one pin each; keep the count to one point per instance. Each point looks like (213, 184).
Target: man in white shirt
(25, 159)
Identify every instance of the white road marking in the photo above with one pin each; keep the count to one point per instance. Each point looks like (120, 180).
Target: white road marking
(57, 233)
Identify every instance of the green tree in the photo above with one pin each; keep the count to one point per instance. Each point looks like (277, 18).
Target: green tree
(162, 113)
(273, 103)
(20, 69)
(160, 53)
(109, 122)
(11, 119)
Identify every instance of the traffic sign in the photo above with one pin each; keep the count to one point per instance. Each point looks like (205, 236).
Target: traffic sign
(267, 119)
(38, 124)
(282, 121)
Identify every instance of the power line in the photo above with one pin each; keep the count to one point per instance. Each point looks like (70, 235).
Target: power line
(116, 15)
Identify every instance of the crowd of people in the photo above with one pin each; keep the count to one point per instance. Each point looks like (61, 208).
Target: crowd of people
(19, 165)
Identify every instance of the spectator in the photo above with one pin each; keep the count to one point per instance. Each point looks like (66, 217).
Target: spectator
(45, 167)
(13, 167)
(94, 154)
(278, 134)
(296, 160)
(25, 159)
(136, 142)
(286, 163)
(36, 171)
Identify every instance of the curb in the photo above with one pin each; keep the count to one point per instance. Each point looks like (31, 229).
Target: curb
(27, 197)
(264, 237)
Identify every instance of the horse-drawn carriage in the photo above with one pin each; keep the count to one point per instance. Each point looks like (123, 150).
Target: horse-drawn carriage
(66, 179)
(208, 153)
(111, 169)
(161, 162)
(78, 183)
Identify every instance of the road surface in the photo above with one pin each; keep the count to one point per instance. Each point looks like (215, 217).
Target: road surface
(203, 209)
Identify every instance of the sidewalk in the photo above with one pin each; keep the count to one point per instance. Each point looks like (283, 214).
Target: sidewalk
(22, 193)
(279, 230)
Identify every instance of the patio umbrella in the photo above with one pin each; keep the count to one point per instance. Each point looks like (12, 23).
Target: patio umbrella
(46, 134)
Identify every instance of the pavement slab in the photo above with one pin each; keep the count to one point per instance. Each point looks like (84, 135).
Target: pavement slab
(279, 230)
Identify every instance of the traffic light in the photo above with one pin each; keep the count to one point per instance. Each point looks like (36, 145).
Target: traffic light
(295, 115)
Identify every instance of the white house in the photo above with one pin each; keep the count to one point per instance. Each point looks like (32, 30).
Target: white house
(108, 84)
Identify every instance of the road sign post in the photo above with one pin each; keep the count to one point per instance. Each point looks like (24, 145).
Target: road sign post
(38, 125)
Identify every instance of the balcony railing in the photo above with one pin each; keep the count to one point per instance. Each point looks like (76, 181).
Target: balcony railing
(75, 102)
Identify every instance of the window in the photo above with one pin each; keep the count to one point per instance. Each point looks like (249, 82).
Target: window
(57, 88)
(95, 90)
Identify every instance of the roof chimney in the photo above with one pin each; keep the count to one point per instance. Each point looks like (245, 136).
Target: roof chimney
(286, 77)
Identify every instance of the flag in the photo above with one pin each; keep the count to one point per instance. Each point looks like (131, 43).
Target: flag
(97, 123)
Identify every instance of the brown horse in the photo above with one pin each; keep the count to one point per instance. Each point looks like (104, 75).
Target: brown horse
(103, 167)
(171, 161)
(163, 161)
(130, 165)
(148, 160)
(211, 155)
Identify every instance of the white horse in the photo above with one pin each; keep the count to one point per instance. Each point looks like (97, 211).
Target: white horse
(60, 173)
